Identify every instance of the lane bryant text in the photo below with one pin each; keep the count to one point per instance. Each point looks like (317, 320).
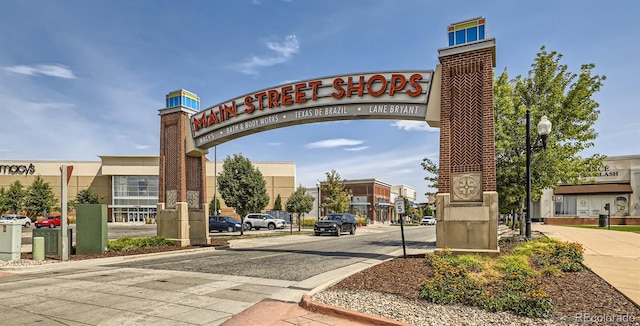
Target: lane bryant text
(376, 85)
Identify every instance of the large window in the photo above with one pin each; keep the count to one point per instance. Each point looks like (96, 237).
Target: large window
(129, 187)
(134, 198)
(567, 207)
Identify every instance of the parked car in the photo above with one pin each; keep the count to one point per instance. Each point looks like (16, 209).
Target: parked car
(258, 221)
(428, 220)
(25, 220)
(49, 221)
(223, 223)
(336, 223)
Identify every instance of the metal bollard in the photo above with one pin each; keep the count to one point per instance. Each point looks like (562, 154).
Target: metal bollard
(38, 248)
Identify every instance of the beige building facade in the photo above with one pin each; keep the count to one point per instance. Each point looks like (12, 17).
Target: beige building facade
(618, 185)
(128, 185)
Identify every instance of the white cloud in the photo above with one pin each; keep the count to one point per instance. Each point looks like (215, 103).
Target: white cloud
(283, 53)
(356, 149)
(54, 70)
(330, 143)
(413, 126)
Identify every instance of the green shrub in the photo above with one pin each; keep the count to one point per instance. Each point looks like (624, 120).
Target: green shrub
(508, 283)
(361, 220)
(449, 282)
(307, 222)
(531, 247)
(518, 264)
(532, 300)
(564, 255)
(550, 271)
(126, 244)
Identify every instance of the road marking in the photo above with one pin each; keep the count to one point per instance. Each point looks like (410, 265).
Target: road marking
(267, 256)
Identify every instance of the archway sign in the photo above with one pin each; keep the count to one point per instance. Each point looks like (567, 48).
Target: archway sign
(457, 97)
(400, 95)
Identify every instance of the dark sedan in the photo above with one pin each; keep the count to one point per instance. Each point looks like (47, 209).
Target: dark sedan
(336, 224)
(223, 223)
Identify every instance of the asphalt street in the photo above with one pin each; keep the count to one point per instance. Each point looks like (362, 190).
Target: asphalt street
(296, 261)
(117, 230)
(200, 286)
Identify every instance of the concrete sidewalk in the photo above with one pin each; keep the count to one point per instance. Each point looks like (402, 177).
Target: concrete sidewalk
(97, 292)
(613, 255)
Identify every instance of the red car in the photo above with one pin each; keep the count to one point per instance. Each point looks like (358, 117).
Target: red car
(50, 221)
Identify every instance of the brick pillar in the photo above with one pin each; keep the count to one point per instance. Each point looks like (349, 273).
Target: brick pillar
(467, 201)
(467, 139)
(182, 207)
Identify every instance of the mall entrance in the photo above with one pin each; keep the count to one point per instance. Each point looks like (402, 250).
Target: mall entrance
(134, 214)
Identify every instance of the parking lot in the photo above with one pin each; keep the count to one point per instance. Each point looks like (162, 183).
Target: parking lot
(136, 230)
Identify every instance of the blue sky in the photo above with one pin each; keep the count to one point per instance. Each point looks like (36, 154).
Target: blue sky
(80, 78)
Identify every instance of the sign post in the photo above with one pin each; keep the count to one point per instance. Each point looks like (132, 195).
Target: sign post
(399, 204)
(607, 206)
(65, 171)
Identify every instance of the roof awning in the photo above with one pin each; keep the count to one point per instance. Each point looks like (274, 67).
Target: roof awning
(603, 188)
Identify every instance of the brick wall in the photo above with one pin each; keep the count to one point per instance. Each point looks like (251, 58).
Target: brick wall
(172, 156)
(467, 139)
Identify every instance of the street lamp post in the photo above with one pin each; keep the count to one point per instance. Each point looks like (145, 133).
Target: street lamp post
(318, 186)
(544, 128)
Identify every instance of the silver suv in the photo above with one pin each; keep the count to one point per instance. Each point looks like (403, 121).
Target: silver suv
(24, 220)
(258, 221)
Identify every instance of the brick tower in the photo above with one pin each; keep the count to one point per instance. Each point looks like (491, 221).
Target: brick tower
(182, 208)
(467, 201)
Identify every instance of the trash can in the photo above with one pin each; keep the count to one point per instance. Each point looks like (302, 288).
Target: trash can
(602, 221)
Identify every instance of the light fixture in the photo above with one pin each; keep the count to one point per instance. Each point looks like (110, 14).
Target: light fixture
(544, 128)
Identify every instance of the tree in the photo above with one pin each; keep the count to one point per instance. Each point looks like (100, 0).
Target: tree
(277, 205)
(432, 177)
(242, 186)
(87, 196)
(39, 197)
(15, 197)
(84, 196)
(4, 206)
(299, 202)
(565, 98)
(336, 197)
(214, 206)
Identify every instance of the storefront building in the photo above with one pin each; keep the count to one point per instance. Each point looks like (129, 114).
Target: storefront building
(372, 198)
(129, 184)
(617, 186)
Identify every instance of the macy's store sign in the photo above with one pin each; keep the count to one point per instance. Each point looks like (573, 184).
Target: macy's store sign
(18, 169)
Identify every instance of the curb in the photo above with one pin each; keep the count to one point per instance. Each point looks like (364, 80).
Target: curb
(308, 304)
(100, 261)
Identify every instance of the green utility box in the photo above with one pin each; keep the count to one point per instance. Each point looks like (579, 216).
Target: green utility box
(53, 240)
(91, 228)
